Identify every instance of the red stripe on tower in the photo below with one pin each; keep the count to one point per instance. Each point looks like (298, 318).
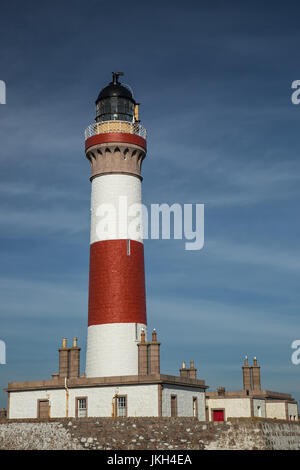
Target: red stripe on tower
(115, 137)
(117, 282)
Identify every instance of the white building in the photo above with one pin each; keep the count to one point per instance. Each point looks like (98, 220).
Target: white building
(251, 402)
(147, 394)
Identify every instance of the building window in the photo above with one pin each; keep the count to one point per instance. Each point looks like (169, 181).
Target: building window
(81, 407)
(195, 407)
(128, 247)
(173, 406)
(122, 406)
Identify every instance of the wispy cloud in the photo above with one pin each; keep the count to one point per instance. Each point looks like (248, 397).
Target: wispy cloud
(29, 299)
(268, 256)
(48, 222)
(214, 321)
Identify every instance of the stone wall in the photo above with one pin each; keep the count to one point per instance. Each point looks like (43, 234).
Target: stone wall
(149, 433)
(258, 434)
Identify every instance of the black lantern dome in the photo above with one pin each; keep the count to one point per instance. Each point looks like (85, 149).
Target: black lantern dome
(115, 102)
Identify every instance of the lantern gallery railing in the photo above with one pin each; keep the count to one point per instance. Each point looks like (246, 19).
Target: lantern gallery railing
(105, 127)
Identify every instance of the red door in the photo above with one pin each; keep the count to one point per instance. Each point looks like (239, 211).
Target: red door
(218, 415)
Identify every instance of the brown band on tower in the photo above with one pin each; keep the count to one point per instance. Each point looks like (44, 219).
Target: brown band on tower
(107, 158)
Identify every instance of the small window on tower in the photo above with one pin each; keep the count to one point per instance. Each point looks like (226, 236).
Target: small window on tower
(128, 247)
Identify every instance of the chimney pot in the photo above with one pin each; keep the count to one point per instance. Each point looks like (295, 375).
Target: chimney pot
(154, 335)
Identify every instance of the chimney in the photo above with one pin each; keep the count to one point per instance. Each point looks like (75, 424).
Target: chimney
(69, 360)
(193, 371)
(184, 372)
(143, 355)
(221, 391)
(256, 375)
(74, 360)
(154, 352)
(149, 355)
(246, 375)
(64, 359)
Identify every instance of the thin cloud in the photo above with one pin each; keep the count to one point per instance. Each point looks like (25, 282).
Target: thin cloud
(274, 257)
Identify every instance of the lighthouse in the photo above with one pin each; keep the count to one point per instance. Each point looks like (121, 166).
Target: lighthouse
(123, 375)
(115, 145)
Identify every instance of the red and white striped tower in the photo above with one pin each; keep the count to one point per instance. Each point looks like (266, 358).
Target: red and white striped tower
(115, 146)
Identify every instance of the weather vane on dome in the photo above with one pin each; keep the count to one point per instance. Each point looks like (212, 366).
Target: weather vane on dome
(116, 75)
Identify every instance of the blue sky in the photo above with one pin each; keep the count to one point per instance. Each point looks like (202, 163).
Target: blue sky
(214, 83)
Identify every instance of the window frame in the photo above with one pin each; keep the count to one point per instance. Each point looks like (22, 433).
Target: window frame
(125, 407)
(77, 399)
(173, 396)
(195, 407)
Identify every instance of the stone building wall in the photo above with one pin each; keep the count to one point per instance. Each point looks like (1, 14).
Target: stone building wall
(233, 407)
(184, 401)
(275, 409)
(142, 401)
(259, 408)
